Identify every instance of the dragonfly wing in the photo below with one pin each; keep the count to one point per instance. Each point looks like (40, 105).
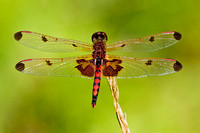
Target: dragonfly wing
(127, 67)
(148, 43)
(68, 67)
(51, 44)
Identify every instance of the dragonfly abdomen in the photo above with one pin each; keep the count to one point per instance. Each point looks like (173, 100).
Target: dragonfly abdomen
(96, 85)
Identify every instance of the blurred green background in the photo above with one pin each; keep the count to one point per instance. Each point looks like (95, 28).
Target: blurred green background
(45, 104)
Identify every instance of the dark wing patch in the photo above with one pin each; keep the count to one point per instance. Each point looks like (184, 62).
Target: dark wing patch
(48, 62)
(86, 67)
(122, 45)
(177, 36)
(20, 66)
(111, 67)
(177, 66)
(151, 39)
(44, 39)
(149, 62)
(74, 45)
(18, 36)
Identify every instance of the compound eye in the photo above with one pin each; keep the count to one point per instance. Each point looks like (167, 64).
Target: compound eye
(102, 36)
(96, 37)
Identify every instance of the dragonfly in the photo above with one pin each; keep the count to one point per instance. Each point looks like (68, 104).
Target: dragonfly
(98, 63)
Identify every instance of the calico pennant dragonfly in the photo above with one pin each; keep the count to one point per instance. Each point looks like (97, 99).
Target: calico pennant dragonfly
(98, 62)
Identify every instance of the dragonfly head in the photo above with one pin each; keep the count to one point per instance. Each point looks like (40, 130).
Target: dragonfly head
(99, 37)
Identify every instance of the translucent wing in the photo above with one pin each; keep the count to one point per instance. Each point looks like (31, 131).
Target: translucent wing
(127, 67)
(51, 44)
(68, 67)
(148, 43)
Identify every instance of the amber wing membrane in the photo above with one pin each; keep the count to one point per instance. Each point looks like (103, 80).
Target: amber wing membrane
(68, 67)
(51, 44)
(148, 43)
(128, 67)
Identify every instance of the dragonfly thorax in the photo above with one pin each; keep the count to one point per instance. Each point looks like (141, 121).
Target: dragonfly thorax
(99, 50)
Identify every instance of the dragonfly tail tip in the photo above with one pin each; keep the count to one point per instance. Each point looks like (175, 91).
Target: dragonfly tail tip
(93, 105)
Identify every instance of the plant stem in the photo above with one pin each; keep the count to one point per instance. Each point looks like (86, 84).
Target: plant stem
(120, 115)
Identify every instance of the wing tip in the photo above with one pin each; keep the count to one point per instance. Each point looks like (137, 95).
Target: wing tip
(20, 66)
(177, 35)
(177, 66)
(18, 35)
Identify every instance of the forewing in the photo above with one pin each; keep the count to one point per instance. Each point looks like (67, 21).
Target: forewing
(127, 67)
(51, 44)
(148, 43)
(68, 67)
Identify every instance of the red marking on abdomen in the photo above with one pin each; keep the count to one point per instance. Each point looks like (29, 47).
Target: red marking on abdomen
(26, 31)
(27, 60)
(96, 85)
(97, 74)
(96, 81)
(95, 92)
